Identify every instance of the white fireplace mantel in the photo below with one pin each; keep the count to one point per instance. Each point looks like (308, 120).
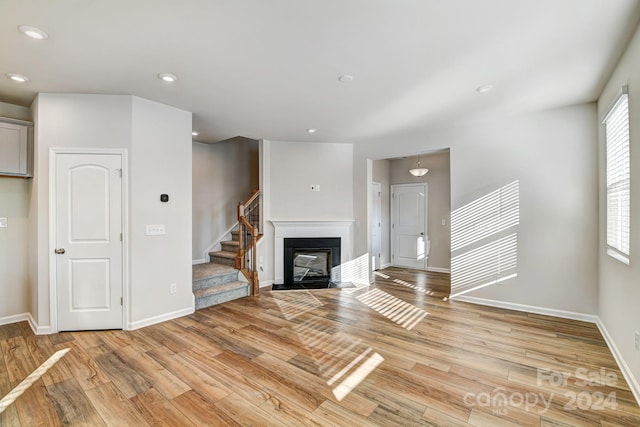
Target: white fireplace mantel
(289, 229)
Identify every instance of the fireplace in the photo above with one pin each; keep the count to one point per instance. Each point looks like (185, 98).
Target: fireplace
(310, 261)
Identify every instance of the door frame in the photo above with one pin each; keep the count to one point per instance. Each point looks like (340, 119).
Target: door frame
(53, 294)
(376, 210)
(392, 233)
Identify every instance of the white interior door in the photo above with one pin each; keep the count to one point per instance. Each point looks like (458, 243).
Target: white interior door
(376, 226)
(88, 203)
(409, 225)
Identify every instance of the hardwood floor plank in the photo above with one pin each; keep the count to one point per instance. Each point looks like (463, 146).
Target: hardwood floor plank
(83, 368)
(121, 375)
(72, 405)
(35, 407)
(333, 414)
(158, 411)
(154, 373)
(246, 414)
(286, 388)
(231, 378)
(113, 407)
(180, 366)
(201, 411)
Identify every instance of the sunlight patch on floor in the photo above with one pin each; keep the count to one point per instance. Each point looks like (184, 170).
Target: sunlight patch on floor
(394, 309)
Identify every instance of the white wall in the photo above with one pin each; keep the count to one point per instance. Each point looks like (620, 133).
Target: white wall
(159, 142)
(224, 174)
(619, 291)
(160, 164)
(14, 240)
(297, 166)
(288, 171)
(554, 156)
(439, 201)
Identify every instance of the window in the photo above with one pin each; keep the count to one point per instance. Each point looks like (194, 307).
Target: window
(616, 125)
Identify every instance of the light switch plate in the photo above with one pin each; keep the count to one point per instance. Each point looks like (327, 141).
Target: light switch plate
(3, 223)
(155, 230)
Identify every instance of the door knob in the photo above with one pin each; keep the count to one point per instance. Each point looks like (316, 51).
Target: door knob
(422, 234)
(59, 251)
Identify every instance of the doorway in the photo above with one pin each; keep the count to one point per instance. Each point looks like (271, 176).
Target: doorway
(87, 197)
(409, 225)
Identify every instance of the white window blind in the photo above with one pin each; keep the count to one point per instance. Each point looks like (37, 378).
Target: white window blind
(618, 178)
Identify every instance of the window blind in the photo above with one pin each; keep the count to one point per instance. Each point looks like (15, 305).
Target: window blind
(618, 176)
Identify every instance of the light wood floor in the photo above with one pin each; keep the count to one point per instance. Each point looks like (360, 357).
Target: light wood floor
(393, 354)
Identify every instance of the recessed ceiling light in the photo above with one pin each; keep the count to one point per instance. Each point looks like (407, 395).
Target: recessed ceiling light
(312, 130)
(194, 133)
(18, 78)
(168, 77)
(33, 32)
(484, 88)
(345, 78)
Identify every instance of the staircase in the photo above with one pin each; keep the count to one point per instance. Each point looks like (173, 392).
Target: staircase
(229, 252)
(217, 281)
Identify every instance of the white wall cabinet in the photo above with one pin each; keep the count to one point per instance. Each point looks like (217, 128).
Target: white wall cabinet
(16, 148)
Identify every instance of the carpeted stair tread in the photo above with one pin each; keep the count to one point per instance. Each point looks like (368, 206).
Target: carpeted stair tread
(220, 288)
(220, 293)
(209, 269)
(224, 254)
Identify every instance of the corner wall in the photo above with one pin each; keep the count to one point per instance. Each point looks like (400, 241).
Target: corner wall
(160, 164)
(619, 290)
(158, 138)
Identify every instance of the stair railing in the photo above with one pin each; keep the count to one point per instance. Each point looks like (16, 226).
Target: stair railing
(249, 234)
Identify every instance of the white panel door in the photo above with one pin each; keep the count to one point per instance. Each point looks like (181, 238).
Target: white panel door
(376, 224)
(409, 226)
(88, 241)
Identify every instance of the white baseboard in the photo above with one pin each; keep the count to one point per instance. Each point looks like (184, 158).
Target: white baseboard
(37, 329)
(161, 318)
(591, 318)
(624, 368)
(439, 270)
(7, 320)
(266, 283)
(198, 261)
(385, 265)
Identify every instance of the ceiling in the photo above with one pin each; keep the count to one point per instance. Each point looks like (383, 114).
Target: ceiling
(269, 68)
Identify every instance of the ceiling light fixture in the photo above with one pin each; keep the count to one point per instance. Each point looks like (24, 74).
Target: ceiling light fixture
(345, 78)
(312, 130)
(18, 78)
(418, 170)
(168, 77)
(33, 32)
(484, 88)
